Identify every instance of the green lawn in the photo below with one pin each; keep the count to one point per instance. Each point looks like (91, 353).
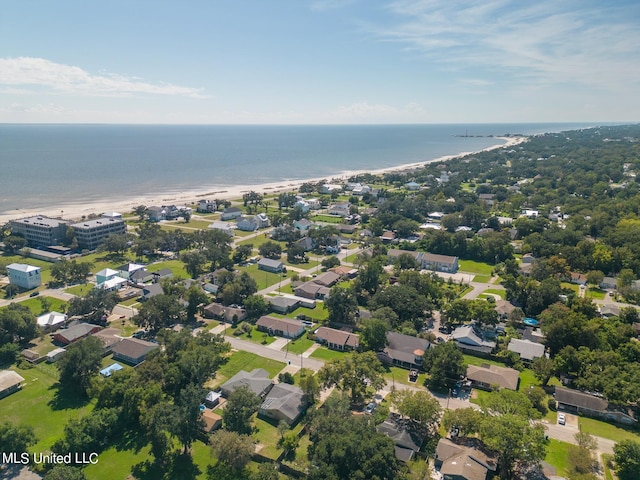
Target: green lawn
(254, 336)
(479, 268)
(247, 361)
(323, 353)
(39, 405)
(80, 290)
(608, 430)
(36, 307)
(496, 291)
(176, 266)
(558, 456)
(482, 278)
(606, 459)
(267, 435)
(326, 219)
(596, 293)
(401, 375)
(263, 278)
(318, 314)
(299, 345)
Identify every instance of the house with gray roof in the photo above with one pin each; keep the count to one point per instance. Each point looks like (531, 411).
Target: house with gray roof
(408, 435)
(311, 290)
(282, 304)
(583, 403)
(257, 380)
(75, 333)
(133, 350)
(527, 349)
(283, 402)
(231, 213)
(403, 350)
(226, 313)
(150, 291)
(270, 265)
(467, 339)
(327, 279)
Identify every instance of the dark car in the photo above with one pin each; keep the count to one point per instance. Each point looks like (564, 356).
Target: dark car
(34, 294)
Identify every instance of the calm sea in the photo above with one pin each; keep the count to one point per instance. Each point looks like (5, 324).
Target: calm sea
(42, 166)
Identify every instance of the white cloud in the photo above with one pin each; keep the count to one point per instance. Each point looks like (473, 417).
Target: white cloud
(546, 42)
(70, 79)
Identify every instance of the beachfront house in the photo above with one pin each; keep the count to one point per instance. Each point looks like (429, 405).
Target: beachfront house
(231, 213)
(40, 231)
(24, 276)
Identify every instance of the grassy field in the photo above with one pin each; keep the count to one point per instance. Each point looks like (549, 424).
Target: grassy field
(39, 405)
(558, 456)
(254, 336)
(608, 430)
(299, 345)
(263, 278)
(496, 291)
(596, 293)
(479, 268)
(267, 436)
(35, 306)
(318, 314)
(482, 278)
(323, 353)
(80, 290)
(176, 266)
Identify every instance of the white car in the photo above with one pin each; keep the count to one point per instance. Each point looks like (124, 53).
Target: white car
(561, 419)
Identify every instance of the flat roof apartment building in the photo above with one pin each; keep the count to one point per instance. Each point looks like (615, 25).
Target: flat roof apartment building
(91, 233)
(40, 231)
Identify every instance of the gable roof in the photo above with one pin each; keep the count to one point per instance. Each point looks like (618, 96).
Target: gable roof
(468, 337)
(51, 319)
(494, 375)
(268, 262)
(76, 332)
(9, 379)
(327, 279)
(338, 337)
(281, 324)
(579, 399)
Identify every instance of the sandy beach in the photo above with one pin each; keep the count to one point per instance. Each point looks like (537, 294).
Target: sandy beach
(75, 211)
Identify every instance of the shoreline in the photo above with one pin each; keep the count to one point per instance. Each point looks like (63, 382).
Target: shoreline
(74, 211)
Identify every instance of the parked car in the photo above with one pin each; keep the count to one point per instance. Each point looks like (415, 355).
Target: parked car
(34, 294)
(370, 408)
(561, 419)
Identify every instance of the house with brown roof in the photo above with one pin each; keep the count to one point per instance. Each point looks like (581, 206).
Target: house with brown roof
(337, 339)
(456, 461)
(311, 290)
(212, 421)
(222, 312)
(281, 327)
(486, 376)
(575, 401)
(327, 279)
(344, 271)
(133, 350)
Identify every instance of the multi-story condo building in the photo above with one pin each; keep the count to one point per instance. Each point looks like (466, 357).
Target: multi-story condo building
(91, 233)
(40, 231)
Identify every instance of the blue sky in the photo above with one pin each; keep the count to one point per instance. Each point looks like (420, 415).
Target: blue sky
(319, 61)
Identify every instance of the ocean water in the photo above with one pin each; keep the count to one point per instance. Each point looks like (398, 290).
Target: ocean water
(45, 166)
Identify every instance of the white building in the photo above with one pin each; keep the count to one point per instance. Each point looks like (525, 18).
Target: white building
(25, 276)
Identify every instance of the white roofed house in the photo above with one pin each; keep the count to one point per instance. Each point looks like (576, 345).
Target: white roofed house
(24, 276)
(262, 220)
(270, 265)
(225, 227)
(51, 321)
(106, 274)
(527, 349)
(231, 213)
(440, 263)
(126, 270)
(247, 224)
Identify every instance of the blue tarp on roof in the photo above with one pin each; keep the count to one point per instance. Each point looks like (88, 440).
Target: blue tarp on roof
(110, 369)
